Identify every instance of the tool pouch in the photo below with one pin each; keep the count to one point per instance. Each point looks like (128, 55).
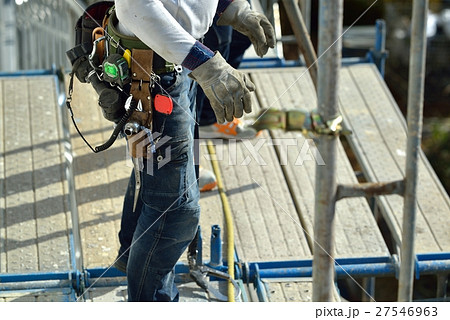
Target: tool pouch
(141, 70)
(92, 18)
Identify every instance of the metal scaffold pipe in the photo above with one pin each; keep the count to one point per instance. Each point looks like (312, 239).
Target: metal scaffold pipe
(305, 5)
(414, 118)
(8, 41)
(302, 36)
(329, 52)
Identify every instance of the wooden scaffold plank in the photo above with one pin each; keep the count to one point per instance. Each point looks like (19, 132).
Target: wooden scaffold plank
(379, 142)
(50, 208)
(21, 242)
(2, 185)
(357, 233)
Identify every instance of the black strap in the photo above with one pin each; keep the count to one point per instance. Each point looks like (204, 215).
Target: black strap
(117, 129)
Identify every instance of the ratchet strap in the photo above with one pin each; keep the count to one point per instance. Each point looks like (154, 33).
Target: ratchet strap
(299, 120)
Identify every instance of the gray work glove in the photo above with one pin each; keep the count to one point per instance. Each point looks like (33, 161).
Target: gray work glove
(250, 23)
(227, 89)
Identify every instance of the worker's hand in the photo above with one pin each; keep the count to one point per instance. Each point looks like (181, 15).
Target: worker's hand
(250, 23)
(227, 89)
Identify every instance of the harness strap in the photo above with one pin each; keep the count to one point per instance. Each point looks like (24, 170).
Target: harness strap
(118, 39)
(119, 42)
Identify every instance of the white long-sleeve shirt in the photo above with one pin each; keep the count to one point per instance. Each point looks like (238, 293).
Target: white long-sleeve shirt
(169, 27)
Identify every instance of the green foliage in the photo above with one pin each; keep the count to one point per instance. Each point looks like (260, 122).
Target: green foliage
(437, 148)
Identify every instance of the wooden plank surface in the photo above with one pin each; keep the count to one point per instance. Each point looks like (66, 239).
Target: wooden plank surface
(100, 180)
(433, 201)
(380, 142)
(189, 292)
(34, 214)
(38, 295)
(211, 209)
(21, 244)
(289, 291)
(49, 194)
(107, 294)
(266, 224)
(3, 267)
(357, 233)
(293, 290)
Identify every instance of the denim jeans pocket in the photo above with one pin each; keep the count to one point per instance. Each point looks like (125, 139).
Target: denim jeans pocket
(165, 182)
(167, 82)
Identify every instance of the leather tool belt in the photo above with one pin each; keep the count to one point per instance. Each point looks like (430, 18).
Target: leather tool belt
(143, 62)
(141, 70)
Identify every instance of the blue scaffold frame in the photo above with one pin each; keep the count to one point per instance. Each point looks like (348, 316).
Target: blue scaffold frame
(75, 281)
(376, 55)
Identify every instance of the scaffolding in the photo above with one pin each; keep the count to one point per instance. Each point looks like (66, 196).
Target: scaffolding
(324, 70)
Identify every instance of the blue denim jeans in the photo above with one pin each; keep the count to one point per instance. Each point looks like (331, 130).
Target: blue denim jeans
(167, 213)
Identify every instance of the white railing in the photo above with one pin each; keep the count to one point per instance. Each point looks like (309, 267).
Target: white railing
(35, 34)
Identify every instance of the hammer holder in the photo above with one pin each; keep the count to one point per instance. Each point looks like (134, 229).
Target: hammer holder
(141, 70)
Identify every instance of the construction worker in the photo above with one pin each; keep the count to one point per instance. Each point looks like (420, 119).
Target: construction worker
(168, 205)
